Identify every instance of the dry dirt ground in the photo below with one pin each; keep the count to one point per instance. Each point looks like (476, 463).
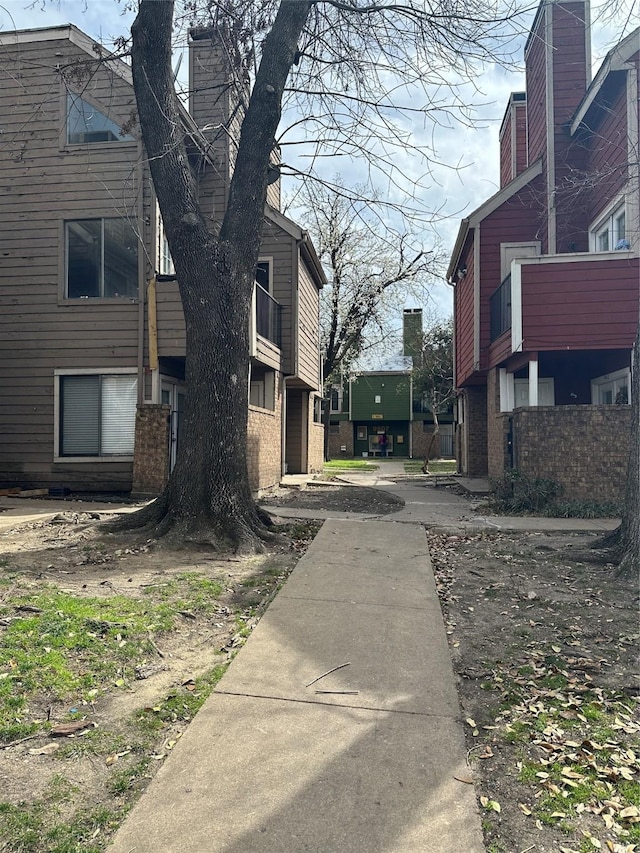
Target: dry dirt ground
(543, 642)
(68, 794)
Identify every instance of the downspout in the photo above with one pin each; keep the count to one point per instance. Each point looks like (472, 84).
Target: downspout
(141, 272)
(152, 324)
(283, 428)
(411, 416)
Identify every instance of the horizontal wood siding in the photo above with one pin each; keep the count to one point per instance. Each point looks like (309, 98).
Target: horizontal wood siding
(500, 349)
(463, 314)
(522, 160)
(42, 184)
(280, 246)
(536, 90)
(569, 85)
(514, 221)
(583, 305)
(506, 150)
(170, 320)
(308, 328)
(608, 153)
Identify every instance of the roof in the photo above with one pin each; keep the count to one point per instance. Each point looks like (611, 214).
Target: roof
(68, 31)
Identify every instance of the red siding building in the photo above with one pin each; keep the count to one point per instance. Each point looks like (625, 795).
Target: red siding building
(547, 271)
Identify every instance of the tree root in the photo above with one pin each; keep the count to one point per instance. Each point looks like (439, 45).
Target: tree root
(221, 532)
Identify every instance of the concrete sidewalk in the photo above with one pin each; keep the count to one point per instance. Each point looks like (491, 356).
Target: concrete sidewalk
(442, 509)
(272, 765)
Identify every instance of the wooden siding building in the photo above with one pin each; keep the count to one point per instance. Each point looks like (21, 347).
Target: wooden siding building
(92, 337)
(547, 272)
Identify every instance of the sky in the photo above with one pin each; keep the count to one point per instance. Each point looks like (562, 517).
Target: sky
(465, 172)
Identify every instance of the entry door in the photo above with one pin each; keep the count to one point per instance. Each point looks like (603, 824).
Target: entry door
(173, 395)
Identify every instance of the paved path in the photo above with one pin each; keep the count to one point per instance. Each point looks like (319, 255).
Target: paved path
(437, 507)
(269, 765)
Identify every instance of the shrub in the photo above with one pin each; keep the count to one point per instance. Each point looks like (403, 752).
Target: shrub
(519, 494)
(516, 492)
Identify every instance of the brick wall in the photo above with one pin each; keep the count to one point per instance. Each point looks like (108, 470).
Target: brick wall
(315, 459)
(475, 430)
(585, 448)
(420, 441)
(498, 459)
(344, 438)
(264, 445)
(151, 453)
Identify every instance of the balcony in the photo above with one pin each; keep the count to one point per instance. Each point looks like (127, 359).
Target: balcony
(268, 317)
(500, 308)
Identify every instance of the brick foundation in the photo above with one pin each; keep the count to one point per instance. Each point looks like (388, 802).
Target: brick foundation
(151, 453)
(264, 445)
(315, 458)
(585, 448)
(473, 434)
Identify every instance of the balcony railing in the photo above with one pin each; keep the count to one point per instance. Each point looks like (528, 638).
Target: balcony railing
(268, 316)
(500, 304)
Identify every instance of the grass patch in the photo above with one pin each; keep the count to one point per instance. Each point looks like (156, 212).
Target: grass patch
(37, 827)
(349, 465)
(69, 647)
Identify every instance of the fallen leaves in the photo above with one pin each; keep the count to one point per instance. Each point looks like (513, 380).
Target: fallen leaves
(551, 663)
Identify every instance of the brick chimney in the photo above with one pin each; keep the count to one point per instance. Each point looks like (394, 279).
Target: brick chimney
(412, 334)
(217, 100)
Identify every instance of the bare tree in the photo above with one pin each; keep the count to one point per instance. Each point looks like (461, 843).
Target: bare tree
(371, 270)
(344, 67)
(433, 377)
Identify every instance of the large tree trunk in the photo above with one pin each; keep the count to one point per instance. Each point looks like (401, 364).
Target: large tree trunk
(208, 498)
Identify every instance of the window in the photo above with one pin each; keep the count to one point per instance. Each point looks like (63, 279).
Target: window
(263, 275)
(97, 415)
(317, 410)
(611, 388)
(336, 399)
(86, 124)
(262, 387)
(165, 261)
(102, 259)
(611, 232)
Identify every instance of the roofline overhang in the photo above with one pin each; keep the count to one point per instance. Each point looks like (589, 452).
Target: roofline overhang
(488, 207)
(616, 60)
(74, 35)
(307, 248)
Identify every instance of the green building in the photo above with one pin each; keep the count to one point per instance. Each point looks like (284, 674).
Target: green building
(373, 413)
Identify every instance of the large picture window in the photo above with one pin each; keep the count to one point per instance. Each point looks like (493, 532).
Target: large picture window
(101, 259)
(87, 125)
(97, 415)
